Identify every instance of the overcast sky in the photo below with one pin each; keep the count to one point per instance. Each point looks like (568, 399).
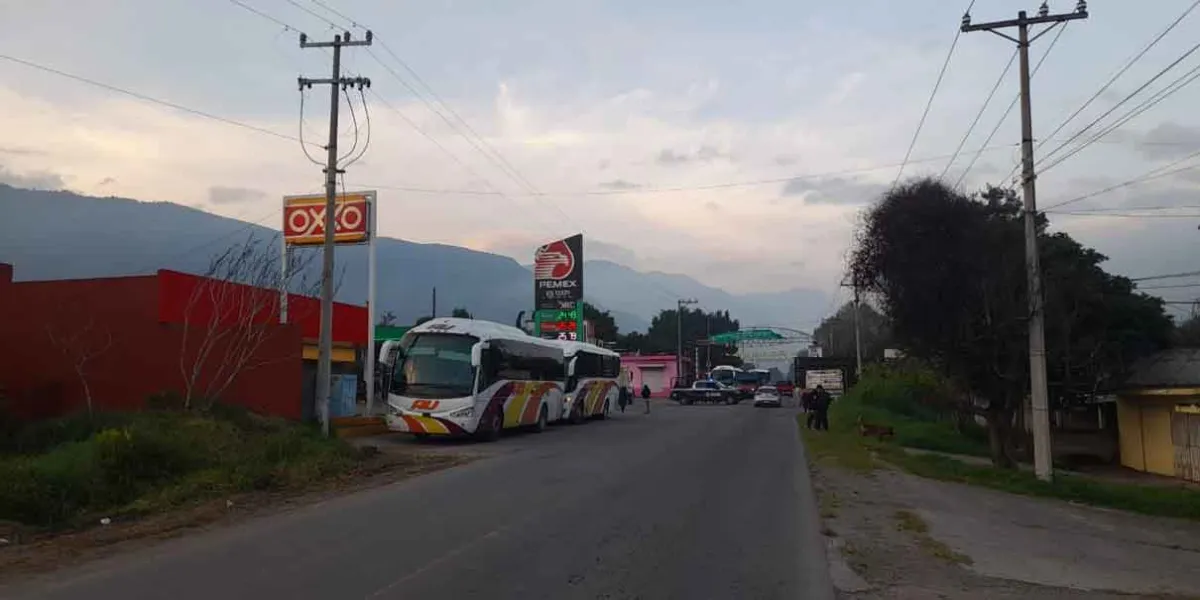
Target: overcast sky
(599, 106)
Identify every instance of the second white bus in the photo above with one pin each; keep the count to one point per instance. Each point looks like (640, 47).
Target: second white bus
(591, 387)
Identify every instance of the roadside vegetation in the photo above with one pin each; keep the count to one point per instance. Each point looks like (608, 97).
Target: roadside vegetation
(904, 397)
(76, 470)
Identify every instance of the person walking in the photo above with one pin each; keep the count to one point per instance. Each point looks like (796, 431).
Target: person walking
(806, 404)
(624, 391)
(646, 396)
(821, 401)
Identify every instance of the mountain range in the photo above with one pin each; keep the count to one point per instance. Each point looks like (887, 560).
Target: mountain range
(60, 235)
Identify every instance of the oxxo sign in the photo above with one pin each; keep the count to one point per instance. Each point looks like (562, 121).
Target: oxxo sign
(304, 219)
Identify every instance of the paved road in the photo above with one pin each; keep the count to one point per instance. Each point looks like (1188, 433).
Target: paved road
(689, 502)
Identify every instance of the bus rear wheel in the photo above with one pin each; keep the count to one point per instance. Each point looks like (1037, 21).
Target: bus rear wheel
(540, 426)
(491, 432)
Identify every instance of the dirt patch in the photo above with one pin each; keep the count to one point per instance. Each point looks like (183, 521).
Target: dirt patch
(24, 552)
(887, 542)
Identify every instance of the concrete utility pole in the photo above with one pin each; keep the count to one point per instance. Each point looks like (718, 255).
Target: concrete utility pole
(679, 332)
(857, 337)
(336, 83)
(1039, 396)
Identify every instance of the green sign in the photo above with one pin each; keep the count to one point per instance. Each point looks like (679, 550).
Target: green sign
(734, 337)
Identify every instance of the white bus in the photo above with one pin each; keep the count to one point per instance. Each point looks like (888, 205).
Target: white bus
(725, 374)
(592, 380)
(467, 377)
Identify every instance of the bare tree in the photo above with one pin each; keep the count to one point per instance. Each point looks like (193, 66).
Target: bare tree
(232, 312)
(79, 347)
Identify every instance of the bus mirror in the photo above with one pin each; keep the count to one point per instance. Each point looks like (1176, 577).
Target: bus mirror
(477, 354)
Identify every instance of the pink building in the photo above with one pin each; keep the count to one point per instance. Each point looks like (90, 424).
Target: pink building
(656, 370)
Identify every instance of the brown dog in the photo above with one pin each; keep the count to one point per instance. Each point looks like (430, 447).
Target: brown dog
(880, 432)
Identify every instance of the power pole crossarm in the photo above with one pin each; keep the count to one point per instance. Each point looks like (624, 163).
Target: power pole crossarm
(1038, 393)
(336, 84)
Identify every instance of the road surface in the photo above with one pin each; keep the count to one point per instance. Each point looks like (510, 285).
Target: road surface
(689, 502)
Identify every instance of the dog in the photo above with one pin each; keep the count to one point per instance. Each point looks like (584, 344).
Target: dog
(880, 432)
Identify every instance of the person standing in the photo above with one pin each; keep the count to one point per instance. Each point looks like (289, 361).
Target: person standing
(624, 391)
(646, 396)
(821, 401)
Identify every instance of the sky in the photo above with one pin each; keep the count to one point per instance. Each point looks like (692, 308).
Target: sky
(734, 142)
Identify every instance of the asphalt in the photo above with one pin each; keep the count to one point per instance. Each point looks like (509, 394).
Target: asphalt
(688, 502)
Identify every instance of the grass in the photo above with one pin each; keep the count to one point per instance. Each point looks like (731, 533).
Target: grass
(844, 447)
(912, 523)
(71, 471)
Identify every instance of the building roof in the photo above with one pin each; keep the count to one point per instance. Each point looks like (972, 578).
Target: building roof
(1176, 367)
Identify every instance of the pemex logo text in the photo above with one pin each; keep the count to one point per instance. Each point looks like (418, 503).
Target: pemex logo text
(553, 261)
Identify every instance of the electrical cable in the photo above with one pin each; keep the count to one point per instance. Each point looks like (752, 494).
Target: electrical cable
(354, 121)
(979, 115)
(929, 103)
(1011, 105)
(145, 98)
(1113, 108)
(1151, 174)
(1122, 71)
(303, 145)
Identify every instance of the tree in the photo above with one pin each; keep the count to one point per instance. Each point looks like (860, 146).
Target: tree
(387, 319)
(604, 326)
(835, 334)
(698, 325)
(1187, 333)
(232, 311)
(79, 347)
(948, 270)
(460, 313)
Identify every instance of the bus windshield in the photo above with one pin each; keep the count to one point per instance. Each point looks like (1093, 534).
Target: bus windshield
(435, 365)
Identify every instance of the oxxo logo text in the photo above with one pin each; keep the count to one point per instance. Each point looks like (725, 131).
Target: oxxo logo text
(304, 221)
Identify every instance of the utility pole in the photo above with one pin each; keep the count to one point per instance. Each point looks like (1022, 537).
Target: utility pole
(336, 84)
(708, 345)
(433, 304)
(1039, 396)
(857, 337)
(679, 332)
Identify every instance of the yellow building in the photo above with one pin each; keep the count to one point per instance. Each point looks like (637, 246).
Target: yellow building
(1158, 415)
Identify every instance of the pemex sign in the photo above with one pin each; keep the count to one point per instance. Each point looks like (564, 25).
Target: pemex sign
(304, 219)
(558, 274)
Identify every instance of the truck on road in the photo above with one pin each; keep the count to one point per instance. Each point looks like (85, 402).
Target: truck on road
(706, 391)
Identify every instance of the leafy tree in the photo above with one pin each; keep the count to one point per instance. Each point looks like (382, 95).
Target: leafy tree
(949, 272)
(387, 318)
(603, 324)
(461, 313)
(662, 337)
(1187, 334)
(835, 334)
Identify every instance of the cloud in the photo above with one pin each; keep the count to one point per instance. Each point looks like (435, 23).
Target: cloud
(836, 191)
(33, 180)
(18, 151)
(1169, 140)
(233, 195)
(619, 184)
(106, 181)
(705, 153)
(713, 206)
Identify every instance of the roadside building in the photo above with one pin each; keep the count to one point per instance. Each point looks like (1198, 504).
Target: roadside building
(659, 371)
(1158, 415)
(120, 340)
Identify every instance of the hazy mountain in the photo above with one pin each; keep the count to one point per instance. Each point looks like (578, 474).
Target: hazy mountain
(55, 235)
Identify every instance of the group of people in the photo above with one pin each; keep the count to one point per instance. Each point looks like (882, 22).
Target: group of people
(816, 403)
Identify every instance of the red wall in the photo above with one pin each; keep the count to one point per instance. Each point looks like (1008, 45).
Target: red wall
(136, 353)
(183, 294)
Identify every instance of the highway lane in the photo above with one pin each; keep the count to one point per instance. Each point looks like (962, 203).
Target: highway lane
(688, 502)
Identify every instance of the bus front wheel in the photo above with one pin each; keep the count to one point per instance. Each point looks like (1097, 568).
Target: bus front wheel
(495, 425)
(540, 426)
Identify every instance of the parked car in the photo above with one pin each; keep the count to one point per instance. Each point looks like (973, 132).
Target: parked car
(767, 396)
(786, 388)
(705, 391)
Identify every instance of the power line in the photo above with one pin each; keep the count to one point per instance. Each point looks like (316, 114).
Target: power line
(1152, 174)
(1127, 98)
(979, 115)
(712, 186)
(145, 98)
(266, 16)
(1128, 215)
(312, 13)
(1129, 208)
(1122, 71)
(1169, 287)
(1173, 87)
(1169, 276)
(929, 103)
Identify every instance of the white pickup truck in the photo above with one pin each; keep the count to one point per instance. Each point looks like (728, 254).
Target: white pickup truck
(706, 391)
